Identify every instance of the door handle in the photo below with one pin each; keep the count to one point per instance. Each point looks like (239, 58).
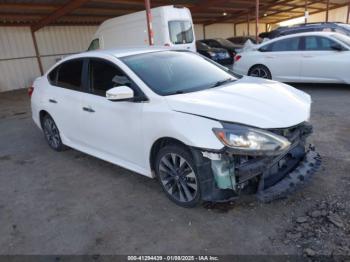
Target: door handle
(307, 56)
(53, 101)
(88, 109)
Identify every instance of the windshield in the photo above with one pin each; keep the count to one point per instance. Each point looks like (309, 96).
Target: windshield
(180, 32)
(343, 38)
(173, 72)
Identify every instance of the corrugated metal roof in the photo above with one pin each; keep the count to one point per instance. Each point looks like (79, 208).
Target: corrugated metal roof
(204, 11)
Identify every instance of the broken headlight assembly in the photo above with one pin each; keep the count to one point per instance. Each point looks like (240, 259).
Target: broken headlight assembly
(251, 141)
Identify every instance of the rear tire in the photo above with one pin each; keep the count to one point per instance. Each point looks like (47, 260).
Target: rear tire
(52, 134)
(260, 71)
(177, 174)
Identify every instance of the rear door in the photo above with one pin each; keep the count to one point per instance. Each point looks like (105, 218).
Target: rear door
(320, 62)
(63, 98)
(283, 58)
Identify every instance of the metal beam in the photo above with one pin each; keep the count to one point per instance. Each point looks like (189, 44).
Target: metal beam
(149, 22)
(248, 25)
(306, 12)
(66, 9)
(37, 54)
(256, 20)
(348, 14)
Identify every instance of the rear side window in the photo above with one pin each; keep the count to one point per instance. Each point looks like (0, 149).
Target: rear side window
(69, 74)
(316, 43)
(95, 44)
(181, 32)
(104, 76)
(289, 44)
(53, 76)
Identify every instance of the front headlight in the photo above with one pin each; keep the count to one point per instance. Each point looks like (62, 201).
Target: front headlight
(251, 141)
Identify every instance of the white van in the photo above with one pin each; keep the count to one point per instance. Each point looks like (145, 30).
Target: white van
(172, 26)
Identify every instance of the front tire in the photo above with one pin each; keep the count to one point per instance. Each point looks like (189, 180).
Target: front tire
(52, 134)
(176, 172)
(260, 71)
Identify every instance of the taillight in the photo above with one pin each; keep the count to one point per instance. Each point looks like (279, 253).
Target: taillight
(237, 57)
(30, 91)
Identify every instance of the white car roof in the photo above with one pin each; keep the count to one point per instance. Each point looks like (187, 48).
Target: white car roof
(117, 52)
(299, 34)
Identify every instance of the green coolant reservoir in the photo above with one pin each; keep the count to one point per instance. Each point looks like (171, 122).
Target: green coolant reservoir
(224, 173)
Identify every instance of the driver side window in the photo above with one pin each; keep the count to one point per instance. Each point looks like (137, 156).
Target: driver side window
(104, 76)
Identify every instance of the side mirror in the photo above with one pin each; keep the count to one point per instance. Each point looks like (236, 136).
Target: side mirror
(337, 47)
(119, 93)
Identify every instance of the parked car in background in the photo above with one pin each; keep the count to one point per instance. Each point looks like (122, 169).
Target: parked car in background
(223, 43)
(319, 57)
(241, 40)
(175, 115)
(309, 27)
(218, 55)
(172, 26)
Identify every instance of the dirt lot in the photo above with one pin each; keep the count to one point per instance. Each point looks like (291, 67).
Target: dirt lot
(71, 203)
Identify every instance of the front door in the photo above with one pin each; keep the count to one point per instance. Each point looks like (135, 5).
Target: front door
(321, 63)
(111, 129)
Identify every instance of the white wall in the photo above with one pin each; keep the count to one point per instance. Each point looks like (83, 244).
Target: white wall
(336, 15)
(225, 30)
(18, 67)
(18, 63)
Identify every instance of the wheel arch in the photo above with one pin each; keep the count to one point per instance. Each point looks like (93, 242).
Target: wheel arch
(162, 142)
(42, 114)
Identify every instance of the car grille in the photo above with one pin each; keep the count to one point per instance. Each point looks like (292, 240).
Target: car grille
(294, 133)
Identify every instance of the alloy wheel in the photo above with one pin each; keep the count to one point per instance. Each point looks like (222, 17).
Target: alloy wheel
(259, 72)
(178, 177)
(51, 133)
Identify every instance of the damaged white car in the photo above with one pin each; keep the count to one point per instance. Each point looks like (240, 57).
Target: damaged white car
(174, 115)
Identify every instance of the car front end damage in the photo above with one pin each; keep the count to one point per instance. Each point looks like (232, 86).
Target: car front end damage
(271, 172)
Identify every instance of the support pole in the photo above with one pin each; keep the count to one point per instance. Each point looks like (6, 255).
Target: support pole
(348, 15)
(204, 32)
(149, 22)
(327, 11)
(306, 12)
(248, 26)
(257, 21)
(37, 52)
(235, 29)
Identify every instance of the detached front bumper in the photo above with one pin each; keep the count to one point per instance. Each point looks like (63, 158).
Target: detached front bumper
(226, 175)
(302, 173)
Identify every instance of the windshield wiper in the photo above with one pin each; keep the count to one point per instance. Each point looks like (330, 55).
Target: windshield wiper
(222, 82)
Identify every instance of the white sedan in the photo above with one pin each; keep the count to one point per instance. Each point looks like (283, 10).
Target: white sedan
(318, 57)
(179, 117)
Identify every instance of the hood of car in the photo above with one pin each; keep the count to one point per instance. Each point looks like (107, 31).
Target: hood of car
(250, 101)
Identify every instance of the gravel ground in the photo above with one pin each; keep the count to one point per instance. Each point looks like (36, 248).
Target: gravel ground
(71, 203)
